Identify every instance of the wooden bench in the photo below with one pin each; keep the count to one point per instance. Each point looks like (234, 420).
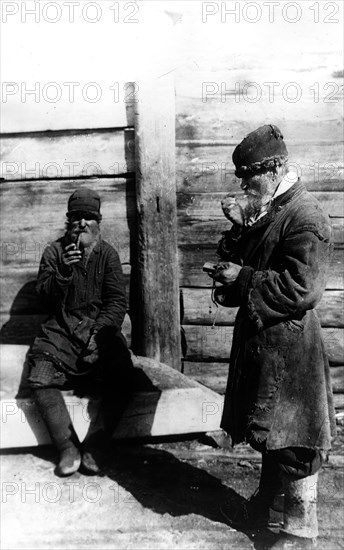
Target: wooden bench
(173, 404)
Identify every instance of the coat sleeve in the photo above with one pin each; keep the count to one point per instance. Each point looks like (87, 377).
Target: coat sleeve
(228, 249)
(113, 294)
(51, 285)
(294, 286)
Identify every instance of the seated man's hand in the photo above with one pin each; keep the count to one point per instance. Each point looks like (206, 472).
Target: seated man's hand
(226, 273)
(71, 255)
(91, 354)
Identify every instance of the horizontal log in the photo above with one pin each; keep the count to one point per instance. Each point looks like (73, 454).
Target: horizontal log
(206, 343)
(229, 114)
(199, 309)
(209, 167)
(192, 258)
(208, 205)
(41, 115)
(53, 156)
(214, 375)
(198, 231)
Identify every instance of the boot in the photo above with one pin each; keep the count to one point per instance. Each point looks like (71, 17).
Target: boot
(53, 410)
(94, 444)
(300, 528)
(255, 512)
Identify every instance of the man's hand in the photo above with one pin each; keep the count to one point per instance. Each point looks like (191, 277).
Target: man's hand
(227, 273)
(91, 354)
(71, 255)
(232, 210)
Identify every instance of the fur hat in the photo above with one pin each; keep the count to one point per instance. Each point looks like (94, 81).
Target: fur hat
(260, 150)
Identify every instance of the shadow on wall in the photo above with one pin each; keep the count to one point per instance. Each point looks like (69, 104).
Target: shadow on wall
(26, 316)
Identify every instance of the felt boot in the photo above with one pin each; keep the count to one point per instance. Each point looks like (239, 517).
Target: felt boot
(300, 528)
(53, 410)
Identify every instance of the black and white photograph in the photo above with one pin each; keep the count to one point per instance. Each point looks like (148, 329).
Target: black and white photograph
(172, 275)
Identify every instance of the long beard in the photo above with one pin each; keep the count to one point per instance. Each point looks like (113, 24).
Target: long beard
(254, 206)
(88, 239)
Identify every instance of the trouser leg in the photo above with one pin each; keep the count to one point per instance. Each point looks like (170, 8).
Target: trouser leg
(270, 483)
(115, 390)
(115, 387)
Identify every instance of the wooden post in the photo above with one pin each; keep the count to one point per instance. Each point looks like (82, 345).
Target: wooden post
(158, 321)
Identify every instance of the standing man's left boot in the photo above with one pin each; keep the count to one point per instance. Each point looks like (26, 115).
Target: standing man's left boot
(300, 530)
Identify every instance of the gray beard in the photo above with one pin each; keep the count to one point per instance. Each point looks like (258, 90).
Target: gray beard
(253, 207)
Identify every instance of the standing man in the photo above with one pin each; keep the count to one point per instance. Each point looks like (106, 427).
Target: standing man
(81, 345)
(278, 399)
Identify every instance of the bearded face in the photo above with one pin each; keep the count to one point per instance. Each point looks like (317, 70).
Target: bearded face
(83, 229)
(259, 189)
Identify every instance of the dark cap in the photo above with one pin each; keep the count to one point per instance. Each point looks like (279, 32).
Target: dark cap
(84, 200)
(260, 150)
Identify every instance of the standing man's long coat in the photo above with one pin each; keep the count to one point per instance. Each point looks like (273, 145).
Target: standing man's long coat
(278, 391)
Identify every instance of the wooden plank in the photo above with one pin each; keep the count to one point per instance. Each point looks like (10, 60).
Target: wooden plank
(198, 231)
(214, 375)
(206, 343)
(39, 114)
(192, 258)
(63, 155)
(208, 166)
(150, 413)
(229, 110)
(208, 205)
(198, 309)
(337, 379)
(158, 322)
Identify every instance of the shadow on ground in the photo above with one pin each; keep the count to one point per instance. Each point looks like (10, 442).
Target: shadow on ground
(165, 484)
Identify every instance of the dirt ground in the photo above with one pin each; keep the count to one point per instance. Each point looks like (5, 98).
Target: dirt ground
(160, 496)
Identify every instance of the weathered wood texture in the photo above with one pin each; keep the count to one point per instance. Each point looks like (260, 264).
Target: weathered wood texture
(193, 256)
(199, 309)
(229, 95)
(198, 230)
(214, 343)
(158, 323)
(208, 166)
(53, 155)
(208, 205)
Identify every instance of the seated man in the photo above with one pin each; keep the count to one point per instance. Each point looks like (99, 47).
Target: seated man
(81, 345)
